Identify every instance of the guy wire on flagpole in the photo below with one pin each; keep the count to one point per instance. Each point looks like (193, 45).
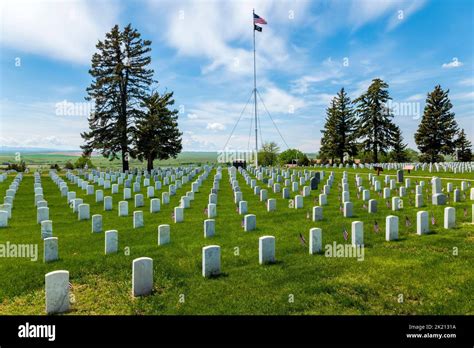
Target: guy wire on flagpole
(255, 88)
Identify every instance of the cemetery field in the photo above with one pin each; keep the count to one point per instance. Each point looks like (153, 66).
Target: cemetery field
(416, 274)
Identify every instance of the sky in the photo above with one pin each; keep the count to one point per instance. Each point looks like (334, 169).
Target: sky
(203, 51)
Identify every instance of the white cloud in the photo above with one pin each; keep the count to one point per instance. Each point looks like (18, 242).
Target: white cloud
(416, 97)
(333, 15)
(467, 82)
(402, 10)
(463, 96)
(221, 32)
(455, 63)
(66, 30)
(329, 69)
(215, 126)
(277, 100)
(192, 116)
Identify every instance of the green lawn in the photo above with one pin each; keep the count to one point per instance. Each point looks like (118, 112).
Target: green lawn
(422, 268)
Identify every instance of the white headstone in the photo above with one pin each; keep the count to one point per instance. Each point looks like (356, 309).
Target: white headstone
(211, 261)
(422, 223)
(209, 228)
(449, 217)
(315, 240)
(163, 234)
(96, 223)
(57, 292)
(266, 249)
(50, 251)
(391, 227)
(357, 233)
(142, 276)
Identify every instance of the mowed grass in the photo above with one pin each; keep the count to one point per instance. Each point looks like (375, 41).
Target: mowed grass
(424, 269)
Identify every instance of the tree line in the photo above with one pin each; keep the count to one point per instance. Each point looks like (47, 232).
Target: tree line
(365, 126)
(130, 118)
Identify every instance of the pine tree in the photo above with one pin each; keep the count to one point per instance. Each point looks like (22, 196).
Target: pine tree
(375, 126)
(157, 133)
(345, 140)
(464, 152)
(121, 80)
(399, 153)
(437, 129)
(327, 149)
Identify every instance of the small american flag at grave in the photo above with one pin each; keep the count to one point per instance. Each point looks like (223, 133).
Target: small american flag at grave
(465, 212)
(302, 240)
(376, 227)
(407, 221)
(345, 234)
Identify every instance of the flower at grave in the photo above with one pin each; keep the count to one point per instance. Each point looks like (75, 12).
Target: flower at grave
(465, 212)
(237, 209)
(205, 211)
(387, 203)
(433, 220)
(307, 215)
(463, 196)
(364, 206)
(340, 207)
(407, 221)
(172, 215)
(242, 224)
(345, 234)
(376, 227)
(302, 240)
(358, 195)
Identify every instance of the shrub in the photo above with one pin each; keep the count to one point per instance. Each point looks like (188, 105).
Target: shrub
(69, 165)
(83, 161)
(19, 167)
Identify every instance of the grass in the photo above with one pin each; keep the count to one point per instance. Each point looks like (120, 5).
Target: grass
(422, 268)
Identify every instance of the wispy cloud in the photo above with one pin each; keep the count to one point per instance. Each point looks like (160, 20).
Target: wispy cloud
(65, 30)
(455, 63)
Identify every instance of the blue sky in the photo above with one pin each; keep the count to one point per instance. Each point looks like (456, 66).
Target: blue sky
(202, 50)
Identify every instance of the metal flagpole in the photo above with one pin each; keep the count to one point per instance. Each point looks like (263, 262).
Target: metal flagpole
(255, 89)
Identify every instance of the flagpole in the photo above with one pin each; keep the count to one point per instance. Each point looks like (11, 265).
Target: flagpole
(255, 90)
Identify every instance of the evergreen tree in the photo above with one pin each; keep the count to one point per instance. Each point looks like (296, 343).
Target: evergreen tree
(327, 149)
(464, 152)
(437, 129)
(121, 80)
(157, 134)
(375, 126)
(399, 153)
(345, 139)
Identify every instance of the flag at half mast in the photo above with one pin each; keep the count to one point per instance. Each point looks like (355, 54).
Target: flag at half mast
(258, 20)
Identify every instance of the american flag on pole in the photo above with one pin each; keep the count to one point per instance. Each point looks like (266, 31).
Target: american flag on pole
(258, 20)
(407, 221)
(345, 234)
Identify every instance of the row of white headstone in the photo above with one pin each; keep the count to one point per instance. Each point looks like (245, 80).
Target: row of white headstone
(7, 206)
